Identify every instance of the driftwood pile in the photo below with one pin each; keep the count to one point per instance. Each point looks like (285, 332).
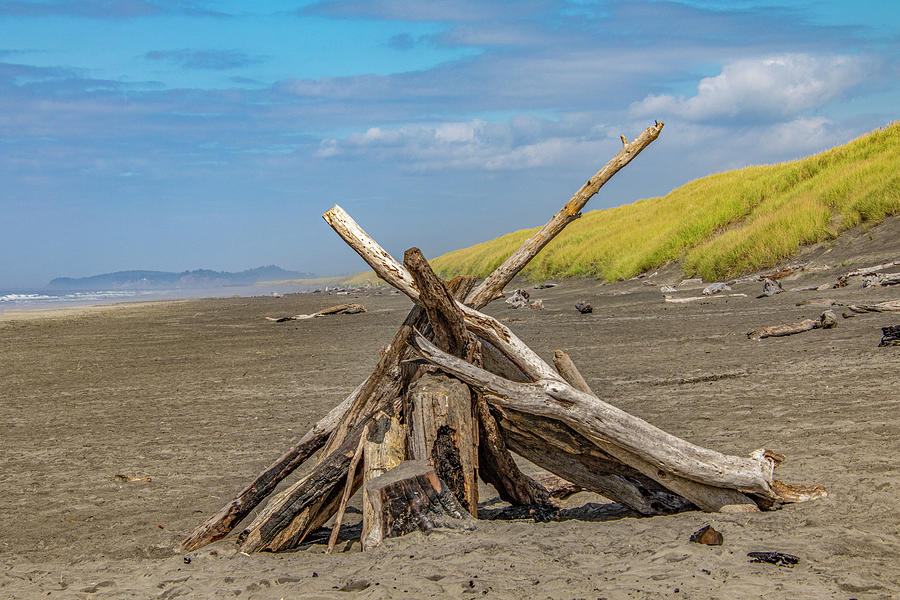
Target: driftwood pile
(454, 395)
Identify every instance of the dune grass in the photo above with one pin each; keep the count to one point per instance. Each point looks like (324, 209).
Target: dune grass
(719, 226)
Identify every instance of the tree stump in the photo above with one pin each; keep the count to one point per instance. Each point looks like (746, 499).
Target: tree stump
(411, 497)
(384, 449)
(442, 429)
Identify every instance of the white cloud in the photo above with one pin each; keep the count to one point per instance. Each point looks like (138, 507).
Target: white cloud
(520, 143)
(780, 87)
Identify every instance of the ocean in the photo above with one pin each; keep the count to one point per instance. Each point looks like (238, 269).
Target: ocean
(44, 299)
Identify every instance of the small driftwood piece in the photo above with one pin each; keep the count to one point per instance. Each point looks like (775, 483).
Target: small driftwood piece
(688, 299)
(340, 309)
(492, 287)
(826, 320)
(411, 497)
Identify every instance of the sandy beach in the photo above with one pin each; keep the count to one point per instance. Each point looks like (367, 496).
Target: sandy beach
(199, 395)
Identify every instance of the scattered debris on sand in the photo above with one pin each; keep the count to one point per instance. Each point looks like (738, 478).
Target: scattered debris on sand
(844, 280)
(584, 307)
(519, 299)
(891, 336)
(779, 559)
(708, 536)
(716, 288)
(770, 288)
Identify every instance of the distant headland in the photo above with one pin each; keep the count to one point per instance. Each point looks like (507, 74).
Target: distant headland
(158, 280)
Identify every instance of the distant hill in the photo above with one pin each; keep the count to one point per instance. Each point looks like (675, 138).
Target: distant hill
(156, 280)
(719, 226)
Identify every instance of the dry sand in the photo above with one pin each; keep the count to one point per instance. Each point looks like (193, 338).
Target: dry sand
(200, 395)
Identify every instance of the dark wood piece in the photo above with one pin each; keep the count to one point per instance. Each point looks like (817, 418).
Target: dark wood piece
(497, 467)
(292, 514)
(411, 497)
(220, 524)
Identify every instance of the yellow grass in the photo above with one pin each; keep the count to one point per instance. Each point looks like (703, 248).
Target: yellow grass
(719, 226)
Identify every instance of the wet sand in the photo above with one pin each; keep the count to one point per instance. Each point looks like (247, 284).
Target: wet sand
(200, 395)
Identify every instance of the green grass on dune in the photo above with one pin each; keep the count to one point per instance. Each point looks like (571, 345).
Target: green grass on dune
(719, 226)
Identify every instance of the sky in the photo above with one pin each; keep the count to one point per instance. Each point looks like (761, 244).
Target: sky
(184, 134)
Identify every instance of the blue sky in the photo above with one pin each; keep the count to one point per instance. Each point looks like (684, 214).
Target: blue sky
(186, 134)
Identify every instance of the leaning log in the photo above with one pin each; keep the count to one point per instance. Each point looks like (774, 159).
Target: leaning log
(596, 419)
(306, 505)
(497, 467)
(220, 524)
(411, 497)
(492, 287)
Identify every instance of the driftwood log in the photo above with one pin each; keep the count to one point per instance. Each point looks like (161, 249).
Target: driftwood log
(459, 391)
(826, 320)
(340, 309)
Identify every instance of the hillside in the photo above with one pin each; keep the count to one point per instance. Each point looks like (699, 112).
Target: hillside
(148, 280)
(719, 226)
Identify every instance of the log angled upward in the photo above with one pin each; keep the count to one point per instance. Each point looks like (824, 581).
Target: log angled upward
(492, 286)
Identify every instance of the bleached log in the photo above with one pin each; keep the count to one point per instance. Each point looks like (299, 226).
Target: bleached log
(826, 320)
(391, 271)
(598, 420)
(340, 309)
(679, 491)
(889, 306)
(220, 524)
(492, 287)
(384, 449)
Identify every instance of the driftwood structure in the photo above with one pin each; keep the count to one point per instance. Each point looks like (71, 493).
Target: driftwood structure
(454, 395)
